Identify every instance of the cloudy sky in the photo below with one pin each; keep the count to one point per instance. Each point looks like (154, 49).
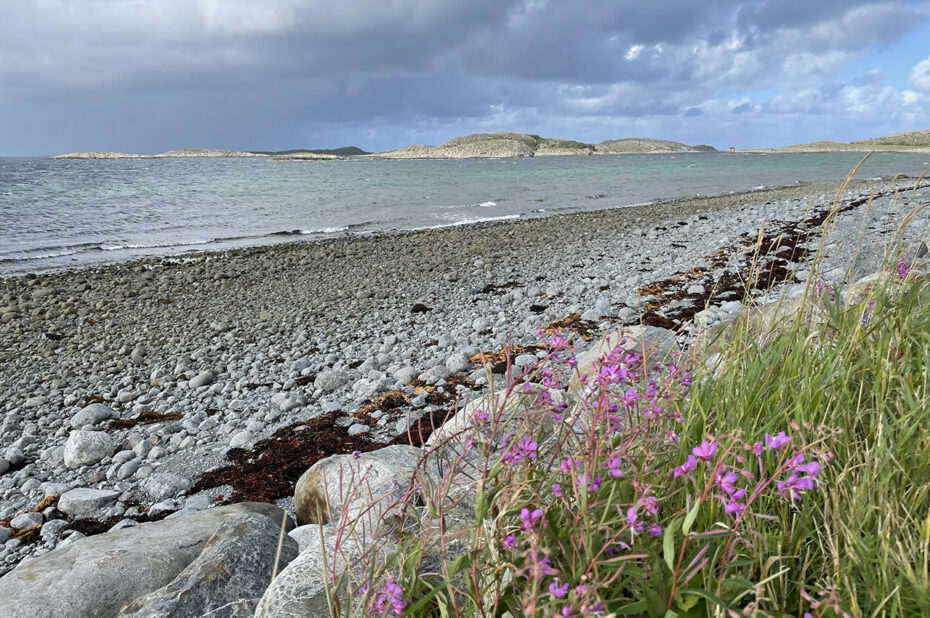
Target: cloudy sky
(150, 75)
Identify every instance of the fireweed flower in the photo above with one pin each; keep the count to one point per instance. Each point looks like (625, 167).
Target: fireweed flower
(509, 541)
(903, 269)
(777, 442)
(655, 530)
(649, 504)
(686, 467)
(558, 591)
(529, 519)
(705, 451)
(557, 490)
(524, 449)
(391, 598)
(614, 465)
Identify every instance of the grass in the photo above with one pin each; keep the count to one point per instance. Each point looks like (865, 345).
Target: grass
(790, 477)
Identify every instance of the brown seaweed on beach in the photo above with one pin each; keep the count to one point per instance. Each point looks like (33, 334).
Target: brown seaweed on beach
(498, 361)
(573, 323)
(270, 469)
(146, 417)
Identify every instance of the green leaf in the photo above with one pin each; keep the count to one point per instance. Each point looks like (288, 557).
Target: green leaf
(633, 608)
(459, 564)
(690, 517)
(705, 595)
(687, 601)
(668, 544)
(482, 506)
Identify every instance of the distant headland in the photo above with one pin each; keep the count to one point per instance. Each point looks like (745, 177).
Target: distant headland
(517, 145)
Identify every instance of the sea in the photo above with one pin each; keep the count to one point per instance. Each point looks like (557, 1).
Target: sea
(70, 213)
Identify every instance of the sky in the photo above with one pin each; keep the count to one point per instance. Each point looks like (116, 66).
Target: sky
(151, 75)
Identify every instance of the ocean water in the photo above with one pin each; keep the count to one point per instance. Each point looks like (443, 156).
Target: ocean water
(58, 214)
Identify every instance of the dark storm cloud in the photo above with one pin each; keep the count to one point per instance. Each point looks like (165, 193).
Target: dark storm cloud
(147, 75)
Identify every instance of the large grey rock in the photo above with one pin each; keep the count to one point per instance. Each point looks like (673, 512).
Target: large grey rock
(299, 591)
(164, 485)
(87, 447)
(84, 502)
(91, 415)
(98, 575)
(344, 481)
(234, 567)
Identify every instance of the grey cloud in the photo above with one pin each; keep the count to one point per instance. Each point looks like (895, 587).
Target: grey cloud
(153, 74)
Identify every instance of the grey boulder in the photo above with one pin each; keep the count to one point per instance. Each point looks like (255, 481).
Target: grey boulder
(98, 575)
(83, 502)
(227, 578)
(91, 415)
(165, 485)
(87, 447)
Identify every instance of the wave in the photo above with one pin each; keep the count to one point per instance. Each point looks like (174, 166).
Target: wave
(486, 204)
(472, 220)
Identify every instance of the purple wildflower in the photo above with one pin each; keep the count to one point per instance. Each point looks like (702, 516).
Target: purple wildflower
(509, 541)
(686, 467)
(777, 441)
(558, 591)
(392, 598)
(794, 486)
(530, 519)
(614, 465)
(557, 490)
(655, 530)
(903, 269)
(524, 449)
(705, 451)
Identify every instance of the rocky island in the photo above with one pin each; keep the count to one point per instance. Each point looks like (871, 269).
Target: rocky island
(514, 145)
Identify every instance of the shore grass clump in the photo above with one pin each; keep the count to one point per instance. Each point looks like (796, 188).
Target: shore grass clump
(792, 477)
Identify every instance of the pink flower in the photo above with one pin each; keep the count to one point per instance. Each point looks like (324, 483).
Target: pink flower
(530, 519)
(686, 467)
(705, 451)
(558, 591)
(777, 441)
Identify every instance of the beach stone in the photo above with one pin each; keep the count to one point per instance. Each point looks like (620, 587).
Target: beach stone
(201, 379)
(235, 566)
(84, 502)
(87, 447)
(162, 486)
(98, 575)
(4, 465)
(358, 428)
(14, 455)
(53, 529)
(91, 415)
(457, 363)
(241, 439)
(4, 534)
(343, 480)
(481, 325)
(328, 381)
(27, 520)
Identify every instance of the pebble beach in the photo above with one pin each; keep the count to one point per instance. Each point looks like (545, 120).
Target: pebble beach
(138, 377)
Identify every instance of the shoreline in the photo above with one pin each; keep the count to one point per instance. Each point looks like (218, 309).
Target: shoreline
(661, 208)
(221, 350)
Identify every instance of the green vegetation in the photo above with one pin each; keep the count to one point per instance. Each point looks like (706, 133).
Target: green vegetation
(787, 476)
